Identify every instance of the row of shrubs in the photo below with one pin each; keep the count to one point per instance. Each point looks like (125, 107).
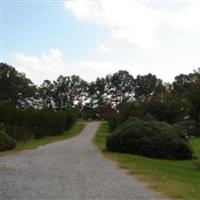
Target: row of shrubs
(150, 138)
(6, 142)
(24, 124)
(129, 110)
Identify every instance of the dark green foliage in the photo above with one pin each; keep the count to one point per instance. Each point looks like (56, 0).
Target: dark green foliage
(150, 138)
(168, 108)
(116, 98)
(6, 142)
(23, 124)
(96, 93)
(113, 120)
(46, 91)
(187, 88)
(120, 87)
(147, 86)
(192, 127)
(15, 88)
(127, 110)
(67, 91)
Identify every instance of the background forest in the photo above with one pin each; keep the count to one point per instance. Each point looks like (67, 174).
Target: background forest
(28, 110)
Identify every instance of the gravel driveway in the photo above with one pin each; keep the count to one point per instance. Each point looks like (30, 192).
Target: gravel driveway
(66, 170)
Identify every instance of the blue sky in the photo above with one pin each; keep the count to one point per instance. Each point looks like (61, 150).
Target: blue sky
(93, 38)
(36, 27)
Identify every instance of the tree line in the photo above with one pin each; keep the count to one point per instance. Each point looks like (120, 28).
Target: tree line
(119, 94)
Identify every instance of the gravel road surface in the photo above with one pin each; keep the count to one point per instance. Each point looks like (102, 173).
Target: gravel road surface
(73, 169)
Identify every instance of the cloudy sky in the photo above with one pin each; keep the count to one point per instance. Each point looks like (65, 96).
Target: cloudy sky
(92, 38)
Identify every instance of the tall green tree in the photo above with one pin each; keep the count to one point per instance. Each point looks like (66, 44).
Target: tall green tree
(15, 88)
(69, 92)
(96, 92)
(120, 87)
(147, 86)
(187, 88)
(77, 91)
(46, 91)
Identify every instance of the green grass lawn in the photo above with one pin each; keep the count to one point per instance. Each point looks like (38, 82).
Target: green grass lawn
(175, 179)
(33, 143)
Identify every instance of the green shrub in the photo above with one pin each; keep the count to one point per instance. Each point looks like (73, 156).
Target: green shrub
(113, 120)
(24, 124)
(150, 138)
(192, 127)
(6, 142)
(128, 110)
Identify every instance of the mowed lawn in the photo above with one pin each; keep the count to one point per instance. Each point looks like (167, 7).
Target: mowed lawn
(175, 179)
(33, 143)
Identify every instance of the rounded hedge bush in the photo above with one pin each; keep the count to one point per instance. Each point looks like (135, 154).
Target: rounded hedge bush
(6, 142)
(150, 138)
(192, 127)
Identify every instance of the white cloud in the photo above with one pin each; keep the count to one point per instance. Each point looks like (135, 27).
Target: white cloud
(53, 55)
(166, 32)
(135, 21)
(51, 64)
(187, 19)
(21, 57)
(47, 66)
(128, 20)
(174, 29)
(104, 48)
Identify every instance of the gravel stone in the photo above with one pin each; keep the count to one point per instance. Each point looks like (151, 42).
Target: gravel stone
(73, 169)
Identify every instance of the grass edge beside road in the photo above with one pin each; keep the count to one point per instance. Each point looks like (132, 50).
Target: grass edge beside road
(173, 179)
(34, 143)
